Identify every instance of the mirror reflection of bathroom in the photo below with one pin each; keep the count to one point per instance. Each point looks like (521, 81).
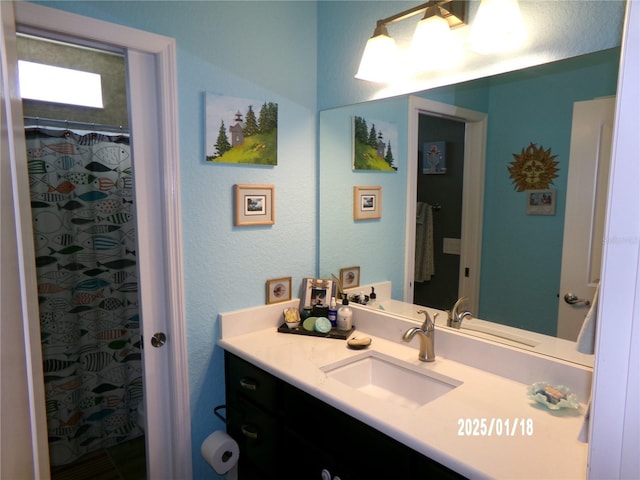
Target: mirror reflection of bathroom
(439, 183)
(81, 188)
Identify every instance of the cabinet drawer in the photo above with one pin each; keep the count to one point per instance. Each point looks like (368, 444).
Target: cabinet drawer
(250, 382)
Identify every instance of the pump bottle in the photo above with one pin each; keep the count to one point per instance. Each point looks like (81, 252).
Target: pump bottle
(345, 315)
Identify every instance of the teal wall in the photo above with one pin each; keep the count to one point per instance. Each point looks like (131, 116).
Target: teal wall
(377, 246)
(521, 254)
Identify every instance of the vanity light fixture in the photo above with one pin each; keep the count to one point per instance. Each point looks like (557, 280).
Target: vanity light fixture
(498, 27)
(382, 60)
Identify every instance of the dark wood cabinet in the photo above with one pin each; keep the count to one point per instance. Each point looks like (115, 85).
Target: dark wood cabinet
(285, 433)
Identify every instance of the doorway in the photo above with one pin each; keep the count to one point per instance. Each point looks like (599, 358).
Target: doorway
(439, 211)
(151, 68)
(475, 133)
(83, 209)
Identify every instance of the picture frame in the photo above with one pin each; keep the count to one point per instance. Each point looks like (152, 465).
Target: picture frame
(317, 291)
(254, 205)
(541, 202)
(434, 158)
(278, 290)
(377, 154)
(350, 277)
(232, 134)
(367, 202)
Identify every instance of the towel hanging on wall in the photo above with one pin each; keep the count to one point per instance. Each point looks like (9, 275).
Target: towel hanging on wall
(424, 263)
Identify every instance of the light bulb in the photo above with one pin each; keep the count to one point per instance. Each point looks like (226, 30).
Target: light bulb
(433, 45)
(498, 27)
(378, 60)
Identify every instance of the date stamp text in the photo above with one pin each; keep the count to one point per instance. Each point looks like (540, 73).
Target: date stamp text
(495, 427)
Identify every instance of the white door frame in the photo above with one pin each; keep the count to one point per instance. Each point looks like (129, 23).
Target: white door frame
(151, 64)
(472, 195)
(23, 424)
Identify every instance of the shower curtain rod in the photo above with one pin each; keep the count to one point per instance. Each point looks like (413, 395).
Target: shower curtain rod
(52, 122)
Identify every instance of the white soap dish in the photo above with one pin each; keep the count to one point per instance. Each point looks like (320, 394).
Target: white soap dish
(553, 397)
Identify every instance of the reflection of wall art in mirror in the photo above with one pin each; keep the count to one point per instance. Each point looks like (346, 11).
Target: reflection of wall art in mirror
(533, 168)
(278, 290)
(350, 277)
(254, 205)
(373, 144)
(236, 133)
(317, 291)
(541, 202)
(367, 203)
(434, 158)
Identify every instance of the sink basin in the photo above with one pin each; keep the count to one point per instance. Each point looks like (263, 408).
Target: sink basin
(390, 379)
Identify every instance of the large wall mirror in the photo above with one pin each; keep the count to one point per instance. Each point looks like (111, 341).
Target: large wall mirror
(521, 252)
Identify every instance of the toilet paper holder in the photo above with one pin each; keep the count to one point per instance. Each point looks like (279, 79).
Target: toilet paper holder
(216, 412)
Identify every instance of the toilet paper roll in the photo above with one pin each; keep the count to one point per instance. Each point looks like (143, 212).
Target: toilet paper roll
(220, 451)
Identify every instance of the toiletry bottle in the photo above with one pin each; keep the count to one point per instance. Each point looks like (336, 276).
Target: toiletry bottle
(333, 312)
(344, 320)
(362, 298)
(373, 302)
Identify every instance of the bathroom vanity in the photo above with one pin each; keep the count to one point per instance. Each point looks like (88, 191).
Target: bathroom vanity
(284, 432)
(299, 405)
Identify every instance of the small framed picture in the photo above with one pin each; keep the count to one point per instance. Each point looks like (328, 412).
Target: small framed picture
(434, 157)
(367, 203)
(278, 290)
(541, 202)
(254, 205)
(350, 277)
(317, 291)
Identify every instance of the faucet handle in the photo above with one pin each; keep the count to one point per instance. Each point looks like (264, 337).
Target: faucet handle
(428, 325)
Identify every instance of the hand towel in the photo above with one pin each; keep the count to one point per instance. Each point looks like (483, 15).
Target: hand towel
(424, 264)
(587, 336)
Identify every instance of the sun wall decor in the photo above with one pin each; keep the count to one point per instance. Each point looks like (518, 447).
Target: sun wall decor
(534, 168)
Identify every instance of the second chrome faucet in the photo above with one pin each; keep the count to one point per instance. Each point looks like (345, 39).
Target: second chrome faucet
(455, 315)
(426, 333)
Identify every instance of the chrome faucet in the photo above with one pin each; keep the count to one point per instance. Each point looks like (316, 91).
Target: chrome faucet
(455, 316)
(427, 335)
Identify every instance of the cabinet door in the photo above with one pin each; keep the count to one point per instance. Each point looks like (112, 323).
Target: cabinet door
(358, 450)
(257, 435)
(307, 460)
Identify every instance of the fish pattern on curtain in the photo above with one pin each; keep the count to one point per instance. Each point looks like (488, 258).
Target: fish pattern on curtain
(85, 239)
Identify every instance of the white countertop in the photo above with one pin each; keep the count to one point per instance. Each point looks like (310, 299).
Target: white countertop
(543, 445)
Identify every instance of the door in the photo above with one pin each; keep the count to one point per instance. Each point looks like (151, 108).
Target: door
(23, 432)
(151, 66)
(589, 159)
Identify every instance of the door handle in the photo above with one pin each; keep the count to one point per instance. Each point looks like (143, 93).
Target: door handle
(158, 339)
(572, 299)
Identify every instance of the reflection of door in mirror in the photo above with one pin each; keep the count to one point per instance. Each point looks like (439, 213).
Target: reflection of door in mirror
(589, 159)
(439, 212)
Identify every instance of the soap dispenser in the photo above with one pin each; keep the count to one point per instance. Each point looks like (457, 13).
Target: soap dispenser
(373, 302)
(345, 315)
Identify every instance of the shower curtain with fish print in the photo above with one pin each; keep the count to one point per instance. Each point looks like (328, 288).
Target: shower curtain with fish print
(85, 239)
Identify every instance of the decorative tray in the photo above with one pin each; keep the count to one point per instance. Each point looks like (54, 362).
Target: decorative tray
(333, 333)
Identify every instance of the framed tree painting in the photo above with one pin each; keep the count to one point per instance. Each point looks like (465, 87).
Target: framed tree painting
(241, 130)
